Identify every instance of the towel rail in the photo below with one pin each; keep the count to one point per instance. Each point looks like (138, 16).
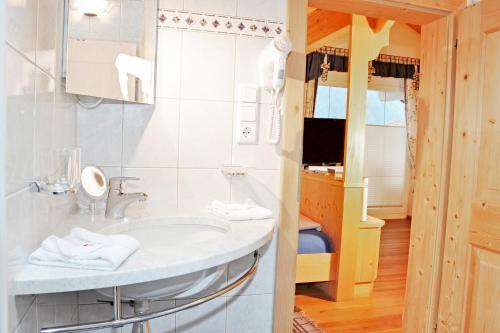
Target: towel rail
(118, 321)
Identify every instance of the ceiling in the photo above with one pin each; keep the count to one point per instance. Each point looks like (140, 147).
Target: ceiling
(322, 23)
(415, 12)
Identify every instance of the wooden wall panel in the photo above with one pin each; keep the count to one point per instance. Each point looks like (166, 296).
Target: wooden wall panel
(322, 199)
(291, 146)
(432, 176)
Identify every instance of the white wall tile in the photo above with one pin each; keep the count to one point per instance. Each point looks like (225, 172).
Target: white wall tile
(20, 75)
(50, 315)
(227, 7)
(168, 63)
(29, 322)
(20, 242)
(250, 314)
(261, 186)
(151, 134)
(263, 280)
(99, 134)
(18, 307)
(44, 113)
(262, 155)
(21, 26)
(66, 298)
(264, 9)
(171, 4)
(205, 134)
(209, 317)
(247, 54)
(159, 183)
(30, 219)
(160, 325)
(96, 312)
(65, 124)
(199, 187)
(207, 66)
(48, 15)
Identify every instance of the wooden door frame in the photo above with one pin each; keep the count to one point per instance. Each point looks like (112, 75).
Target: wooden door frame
(437, 183)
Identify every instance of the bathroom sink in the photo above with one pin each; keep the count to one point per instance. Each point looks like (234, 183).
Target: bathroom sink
(181, 253)
(170, 235)
(162, 234)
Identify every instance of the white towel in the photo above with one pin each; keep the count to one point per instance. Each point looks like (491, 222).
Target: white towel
(85, 250)
(240, 212)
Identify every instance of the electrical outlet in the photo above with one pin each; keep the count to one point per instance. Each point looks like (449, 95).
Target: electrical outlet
(247, 133)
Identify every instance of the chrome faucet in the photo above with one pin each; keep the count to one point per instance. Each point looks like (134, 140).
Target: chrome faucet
(118, 200)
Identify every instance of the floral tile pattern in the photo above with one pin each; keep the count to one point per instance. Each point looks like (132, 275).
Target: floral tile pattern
(185, 20)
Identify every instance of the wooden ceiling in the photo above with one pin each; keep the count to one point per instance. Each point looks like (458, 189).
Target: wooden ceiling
(416, 12)
(322, 23)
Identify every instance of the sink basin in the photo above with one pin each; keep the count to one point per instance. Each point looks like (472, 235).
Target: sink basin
(162, 235)
(181, 253)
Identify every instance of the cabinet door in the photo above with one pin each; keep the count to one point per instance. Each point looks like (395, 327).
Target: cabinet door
(470, 287)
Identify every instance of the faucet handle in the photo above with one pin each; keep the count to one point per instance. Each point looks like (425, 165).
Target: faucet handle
(116, 183)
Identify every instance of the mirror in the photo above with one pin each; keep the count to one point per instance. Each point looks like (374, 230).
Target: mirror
(93, 183)
(111, 49)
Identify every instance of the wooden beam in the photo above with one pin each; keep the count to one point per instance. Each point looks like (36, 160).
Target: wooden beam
(392, 10)
(415, 27)
(321, 23)
(445, 5)
(291, 146)
(365, 46)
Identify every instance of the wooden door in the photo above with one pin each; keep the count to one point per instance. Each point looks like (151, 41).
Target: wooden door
(470, 286)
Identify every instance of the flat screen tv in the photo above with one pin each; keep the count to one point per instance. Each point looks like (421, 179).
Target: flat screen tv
(323, 141)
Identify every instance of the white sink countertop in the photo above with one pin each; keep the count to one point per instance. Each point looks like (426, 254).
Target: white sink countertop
(225, 241)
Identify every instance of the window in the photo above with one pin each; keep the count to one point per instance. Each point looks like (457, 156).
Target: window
(385, 145)
(383, 108)
(331, 102)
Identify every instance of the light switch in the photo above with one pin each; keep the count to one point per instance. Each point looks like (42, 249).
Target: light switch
(247, 114)
(247, 93)
(248, 111)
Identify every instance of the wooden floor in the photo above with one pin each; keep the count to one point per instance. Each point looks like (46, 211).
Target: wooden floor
(383, 310)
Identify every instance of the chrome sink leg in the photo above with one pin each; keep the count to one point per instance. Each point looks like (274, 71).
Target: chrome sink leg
(140, 308)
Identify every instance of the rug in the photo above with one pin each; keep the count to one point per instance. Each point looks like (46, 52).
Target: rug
(303, 324)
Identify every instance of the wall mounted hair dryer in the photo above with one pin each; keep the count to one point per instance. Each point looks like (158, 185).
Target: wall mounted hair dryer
(272, 67)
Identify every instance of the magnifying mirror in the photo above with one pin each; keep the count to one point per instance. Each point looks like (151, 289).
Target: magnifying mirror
(93, 185)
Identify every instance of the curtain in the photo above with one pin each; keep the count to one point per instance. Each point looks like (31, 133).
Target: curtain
(317, 66)
(391, 69)
(313, 72)
(310, 98)
(411, 108)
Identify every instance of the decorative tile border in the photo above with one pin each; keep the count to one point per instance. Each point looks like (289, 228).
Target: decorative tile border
(184, 20)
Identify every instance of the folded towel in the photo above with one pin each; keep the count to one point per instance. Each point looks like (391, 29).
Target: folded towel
(240, 212)
(85, 250)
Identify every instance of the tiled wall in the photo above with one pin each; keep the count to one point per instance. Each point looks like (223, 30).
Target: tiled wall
(176, 147)
(39, 116)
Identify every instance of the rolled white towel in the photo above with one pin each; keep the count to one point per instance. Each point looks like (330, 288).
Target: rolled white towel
(85, 250)
(240, 212)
